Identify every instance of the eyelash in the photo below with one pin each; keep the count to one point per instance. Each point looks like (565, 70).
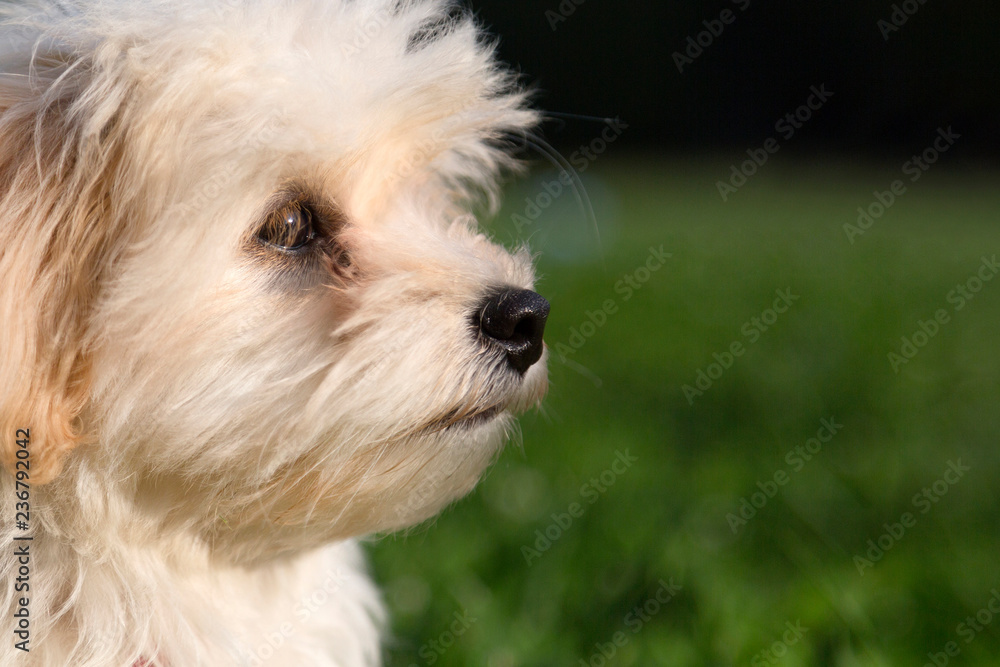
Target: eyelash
(320, 241)
(290, 228)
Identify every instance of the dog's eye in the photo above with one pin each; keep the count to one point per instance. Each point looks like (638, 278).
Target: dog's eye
(292, 227)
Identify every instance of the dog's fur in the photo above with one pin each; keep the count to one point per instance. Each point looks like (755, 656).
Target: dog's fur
(212, 420)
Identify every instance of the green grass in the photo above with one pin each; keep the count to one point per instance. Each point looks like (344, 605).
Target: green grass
(665, 517)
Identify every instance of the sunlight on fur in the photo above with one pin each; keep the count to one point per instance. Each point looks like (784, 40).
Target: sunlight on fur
(246, 314)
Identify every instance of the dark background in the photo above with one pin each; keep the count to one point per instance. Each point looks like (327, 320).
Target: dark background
(616, 59)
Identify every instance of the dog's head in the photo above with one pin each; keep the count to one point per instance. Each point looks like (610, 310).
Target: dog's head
(238, 272)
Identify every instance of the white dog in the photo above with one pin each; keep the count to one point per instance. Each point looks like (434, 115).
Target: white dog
(245, 316)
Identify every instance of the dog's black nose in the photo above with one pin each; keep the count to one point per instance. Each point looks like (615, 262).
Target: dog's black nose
(514, 319)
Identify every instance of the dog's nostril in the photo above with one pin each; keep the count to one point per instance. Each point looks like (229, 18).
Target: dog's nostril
(514, 319)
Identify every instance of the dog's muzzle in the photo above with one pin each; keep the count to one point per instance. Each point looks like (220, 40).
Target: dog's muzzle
(513, 320)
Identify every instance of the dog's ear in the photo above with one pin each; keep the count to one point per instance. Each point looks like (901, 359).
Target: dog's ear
(56, 238)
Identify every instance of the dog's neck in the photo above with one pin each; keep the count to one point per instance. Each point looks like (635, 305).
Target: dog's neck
(112, 582)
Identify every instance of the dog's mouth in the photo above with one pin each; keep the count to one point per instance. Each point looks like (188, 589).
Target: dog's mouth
(463, 418)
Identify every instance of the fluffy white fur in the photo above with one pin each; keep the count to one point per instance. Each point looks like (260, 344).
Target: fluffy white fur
(212, 424)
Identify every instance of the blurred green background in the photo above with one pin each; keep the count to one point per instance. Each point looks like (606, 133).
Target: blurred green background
(726, 541)
(785, 587)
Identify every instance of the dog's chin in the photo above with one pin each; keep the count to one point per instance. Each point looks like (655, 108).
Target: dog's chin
(460, 444)
(412, 475)
(463, 442)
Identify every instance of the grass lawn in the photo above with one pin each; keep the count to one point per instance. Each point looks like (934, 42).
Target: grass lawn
(728, 523)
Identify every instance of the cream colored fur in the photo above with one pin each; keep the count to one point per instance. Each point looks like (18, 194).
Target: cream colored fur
(209, 426)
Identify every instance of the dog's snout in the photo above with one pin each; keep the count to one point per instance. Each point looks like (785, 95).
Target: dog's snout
(514, 320)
